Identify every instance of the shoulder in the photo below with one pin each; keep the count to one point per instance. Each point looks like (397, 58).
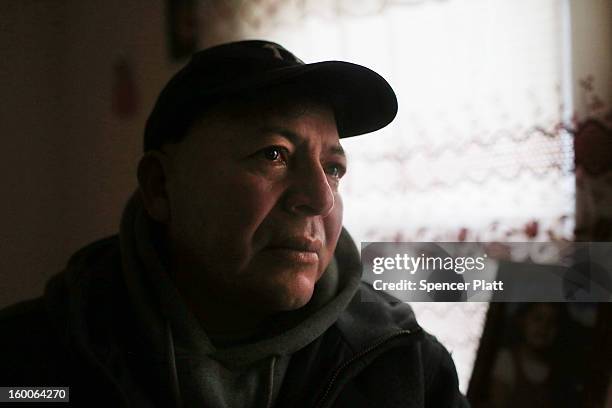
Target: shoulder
(24, 324)
(36, 343)
(440, 375)
(30, 348)
(23, 320)
(33, 316)
(375, 313)
(410, 357)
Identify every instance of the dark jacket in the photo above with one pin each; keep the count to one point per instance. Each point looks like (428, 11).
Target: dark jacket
(374, 355)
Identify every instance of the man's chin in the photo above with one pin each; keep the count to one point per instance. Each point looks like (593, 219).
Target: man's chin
(288, 296)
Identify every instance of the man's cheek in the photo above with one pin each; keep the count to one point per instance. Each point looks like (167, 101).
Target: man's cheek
(333, 226)
(334, 219)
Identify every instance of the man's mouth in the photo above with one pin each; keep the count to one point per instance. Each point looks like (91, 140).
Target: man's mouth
(298, 249)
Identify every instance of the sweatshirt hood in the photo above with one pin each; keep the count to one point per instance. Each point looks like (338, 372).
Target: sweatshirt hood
(118, 287)
(158, 303)
(248, 374)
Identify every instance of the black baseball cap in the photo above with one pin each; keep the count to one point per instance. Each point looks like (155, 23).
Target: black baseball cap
(362, 100)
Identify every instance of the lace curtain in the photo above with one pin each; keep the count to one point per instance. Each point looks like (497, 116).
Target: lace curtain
(480, 149)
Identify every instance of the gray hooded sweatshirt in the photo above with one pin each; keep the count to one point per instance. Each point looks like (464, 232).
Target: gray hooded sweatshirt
(246, 375)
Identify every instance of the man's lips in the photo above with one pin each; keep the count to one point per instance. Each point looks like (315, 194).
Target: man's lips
(299, 249)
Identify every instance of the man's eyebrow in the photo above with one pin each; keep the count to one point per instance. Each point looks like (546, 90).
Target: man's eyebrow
(292, 136)
(295, 138)
(337, 149)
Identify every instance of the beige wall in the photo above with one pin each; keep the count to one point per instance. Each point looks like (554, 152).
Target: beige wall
(592, 48)
(68, 163)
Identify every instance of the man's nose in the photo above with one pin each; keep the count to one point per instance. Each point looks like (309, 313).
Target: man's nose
(310, 192)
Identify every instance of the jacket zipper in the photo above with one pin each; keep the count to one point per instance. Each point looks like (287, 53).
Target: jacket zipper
(379, 343)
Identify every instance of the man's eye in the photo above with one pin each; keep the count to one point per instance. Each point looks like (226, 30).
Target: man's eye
(274, 154)
(336, 171)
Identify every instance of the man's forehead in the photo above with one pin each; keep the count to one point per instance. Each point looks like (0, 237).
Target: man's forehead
(297, 120)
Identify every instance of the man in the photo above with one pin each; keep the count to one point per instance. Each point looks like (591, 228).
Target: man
(232, 282)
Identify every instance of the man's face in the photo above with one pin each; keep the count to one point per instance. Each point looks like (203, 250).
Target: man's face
(255, 212)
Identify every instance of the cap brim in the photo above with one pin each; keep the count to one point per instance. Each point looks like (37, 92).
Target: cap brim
(363, 101)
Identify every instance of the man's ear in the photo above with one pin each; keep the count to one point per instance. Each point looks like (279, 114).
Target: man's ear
(152, 179)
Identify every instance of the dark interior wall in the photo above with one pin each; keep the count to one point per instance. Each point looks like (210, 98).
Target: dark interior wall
(30, 171)
(68, 163)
